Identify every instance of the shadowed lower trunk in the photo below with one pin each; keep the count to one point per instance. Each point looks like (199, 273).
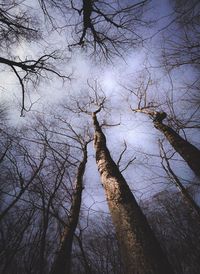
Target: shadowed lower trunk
(141, 252)
(187, 151)
(62, 261)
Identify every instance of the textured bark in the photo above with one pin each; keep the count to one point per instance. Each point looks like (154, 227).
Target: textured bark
(62, 261)
(187, 151)
(141, 252)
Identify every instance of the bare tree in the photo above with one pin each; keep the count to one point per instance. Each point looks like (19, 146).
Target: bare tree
(106, 28)
(32, 70)
(101, 248)
(16, 27)
(186, 150)
(140, 249)
(13, 231)
(62, 262)
(47, 193)
(181, 46)
(174, 178)
(176, 228)
(23, 182)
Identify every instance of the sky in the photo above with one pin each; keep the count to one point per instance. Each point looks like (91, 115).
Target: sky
(136, 129)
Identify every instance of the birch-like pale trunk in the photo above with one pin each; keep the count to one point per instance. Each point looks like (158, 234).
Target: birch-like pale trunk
(62, 263)
(141, 252)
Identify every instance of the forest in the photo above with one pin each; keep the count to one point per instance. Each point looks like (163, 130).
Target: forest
(99, 137)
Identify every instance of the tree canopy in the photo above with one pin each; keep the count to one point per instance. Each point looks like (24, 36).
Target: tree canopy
(99, 136)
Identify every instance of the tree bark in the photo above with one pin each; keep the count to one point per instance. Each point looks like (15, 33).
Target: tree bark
(62, 263)
(140, 249)
(187, 151)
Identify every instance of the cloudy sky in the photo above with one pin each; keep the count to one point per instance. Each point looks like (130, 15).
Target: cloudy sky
(116, 78)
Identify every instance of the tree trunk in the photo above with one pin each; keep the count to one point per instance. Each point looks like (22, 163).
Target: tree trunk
(62, 261)
(141, 252)
(187, 151)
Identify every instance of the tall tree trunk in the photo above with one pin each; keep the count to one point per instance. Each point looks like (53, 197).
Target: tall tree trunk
(141, 252)
(62, 261)
(187, 151)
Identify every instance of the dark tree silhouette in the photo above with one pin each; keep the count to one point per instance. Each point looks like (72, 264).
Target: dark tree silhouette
(105, 28)
(62, 263)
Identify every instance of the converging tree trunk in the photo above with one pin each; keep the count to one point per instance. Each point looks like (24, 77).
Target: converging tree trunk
(187, 151)
(140, 249)
(62, 261)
